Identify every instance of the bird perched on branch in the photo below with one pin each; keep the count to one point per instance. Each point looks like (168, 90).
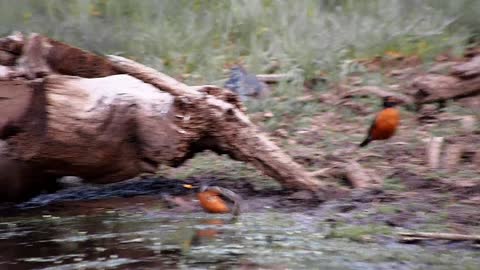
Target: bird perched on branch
(246, 85)
(211, 199)
(385, 123)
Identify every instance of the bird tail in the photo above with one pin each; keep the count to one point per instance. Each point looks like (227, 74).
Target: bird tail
(365, 142)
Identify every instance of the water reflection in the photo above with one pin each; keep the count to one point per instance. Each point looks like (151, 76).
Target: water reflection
(143, 235)
(112, 239)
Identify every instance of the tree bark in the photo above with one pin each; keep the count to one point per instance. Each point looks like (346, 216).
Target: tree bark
(434, 88)
(462, 83)
(118, 119)
(227, 126)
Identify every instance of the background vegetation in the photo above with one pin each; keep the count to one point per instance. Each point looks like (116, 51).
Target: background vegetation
(197, 40)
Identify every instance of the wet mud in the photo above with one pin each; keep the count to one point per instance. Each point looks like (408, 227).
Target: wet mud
(156, 223)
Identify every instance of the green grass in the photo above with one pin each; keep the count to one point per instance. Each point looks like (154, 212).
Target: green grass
(359, 233)
(394, 184)
(387, 209)
(199, 37)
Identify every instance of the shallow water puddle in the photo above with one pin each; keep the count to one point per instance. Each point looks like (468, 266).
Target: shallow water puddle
(151, 237)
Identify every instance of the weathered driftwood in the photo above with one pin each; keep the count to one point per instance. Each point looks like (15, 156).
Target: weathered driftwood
(434, 150)
(440, 236)
(360, 178)
(273, 78)
(467, 70)
(32, 53)
(230, 129)
(452, 156)
(468, 124)
(114, 126)
(351, 171)
(448, 153)
(462, 82)
(377, 91)
(435, 88)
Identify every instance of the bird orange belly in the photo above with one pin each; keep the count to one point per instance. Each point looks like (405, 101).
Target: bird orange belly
(385, 124)
(212, 203)
(383, 132)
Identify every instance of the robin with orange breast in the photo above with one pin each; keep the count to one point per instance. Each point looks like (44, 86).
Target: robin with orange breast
(385, 123)
(211, 199)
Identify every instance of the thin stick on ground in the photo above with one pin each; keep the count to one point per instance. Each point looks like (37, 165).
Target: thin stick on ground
(359, 177)
(440, 236)
(377, 91)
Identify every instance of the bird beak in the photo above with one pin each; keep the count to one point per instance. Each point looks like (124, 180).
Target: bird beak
(188, 186)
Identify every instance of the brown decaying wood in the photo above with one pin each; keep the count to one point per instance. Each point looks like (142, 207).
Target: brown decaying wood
(6, 73)
(468, 123)
(227, 126)
(441, 236)
(467, 70)
(112, 128)
(91, 129)
(434, 149)
(7, 59)
(452, 156)
(12, 44)
(377, 91)
(60, 57)
(359, 177)
(15, 99)
(434, 88)
(273, 78)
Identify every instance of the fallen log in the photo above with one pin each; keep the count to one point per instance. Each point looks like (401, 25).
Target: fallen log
(233, 133)
(119, 118)
(462, 83)
(438, 88)
(467, 70)
(38, 53)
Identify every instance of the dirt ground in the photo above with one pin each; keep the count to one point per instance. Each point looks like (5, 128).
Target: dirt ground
(412, 197)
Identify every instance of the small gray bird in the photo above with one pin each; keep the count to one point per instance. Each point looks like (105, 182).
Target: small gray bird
(246, 85)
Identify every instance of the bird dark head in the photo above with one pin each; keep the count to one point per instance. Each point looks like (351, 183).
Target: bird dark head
(389, 102)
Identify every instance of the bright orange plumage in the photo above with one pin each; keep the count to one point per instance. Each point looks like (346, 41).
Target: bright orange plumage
(212, 203)
(385, 124)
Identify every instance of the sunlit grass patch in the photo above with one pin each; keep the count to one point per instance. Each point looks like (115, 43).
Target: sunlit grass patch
(200, 37)
(359, 233)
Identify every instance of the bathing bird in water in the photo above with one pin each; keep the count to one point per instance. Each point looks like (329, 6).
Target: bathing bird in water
(211, 199)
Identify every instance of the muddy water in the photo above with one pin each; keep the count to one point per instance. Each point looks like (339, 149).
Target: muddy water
(133, 233)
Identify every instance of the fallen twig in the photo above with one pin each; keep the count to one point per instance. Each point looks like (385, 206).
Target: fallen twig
(273, 78)
(439, 236)
(321, 173)
(359, 177)
(374, 90)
